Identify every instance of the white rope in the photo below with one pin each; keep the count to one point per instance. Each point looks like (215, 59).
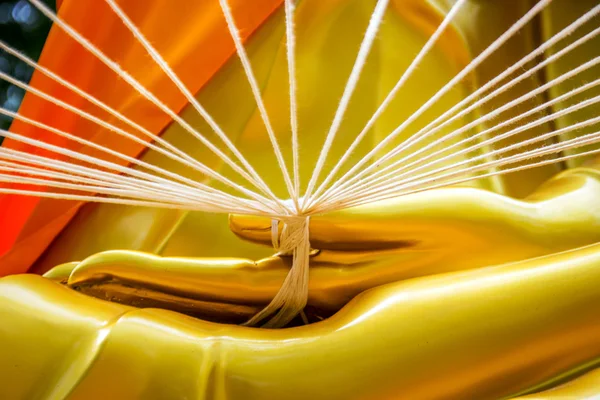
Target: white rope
(434, 126)
(457, 78)
(193, 184)
(291, 61)
(391, 171)
(356, 190)
(94, 173)
(24, 169)
(418, 138)
(357, 68)
(292, 296)
(117, 191)
(241, 52)
(429, 184)
(93, 199)
(160, 61)
(94, 101)
(195, 164)
(391, 95)
(116, 180)
(389, 185)
(424, 133)
(151, 97)
(167, 185)
(174, 153)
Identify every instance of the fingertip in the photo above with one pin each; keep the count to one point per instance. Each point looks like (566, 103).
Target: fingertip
(250, 227)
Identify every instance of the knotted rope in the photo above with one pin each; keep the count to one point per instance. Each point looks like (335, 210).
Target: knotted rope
(292, 296)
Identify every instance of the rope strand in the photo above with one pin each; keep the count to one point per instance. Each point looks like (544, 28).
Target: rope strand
(291, 61)
(357, 68)
(430, 184)
(168, 149)
(425, 132)
(391, 95)
(390, 172)
(189, 182)
(160, 61)
(151, 97)
(457, 78)
(241, 52)
(381, 188)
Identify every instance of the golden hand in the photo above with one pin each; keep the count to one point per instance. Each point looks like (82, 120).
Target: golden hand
(358, 249)
(487, 333)
(484, 333)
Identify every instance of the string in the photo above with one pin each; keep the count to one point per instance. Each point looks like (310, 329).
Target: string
(180, 156)
(427, 131)
(391, 95)
(495, 163)
(134, 189)
(121, 132)
(393, 172)
(40, 172)
(167, 185)
(293, 293)
(79, 170)
(33, 171)
(241, 52)
(357, 68)
(391, 182)
(585, 140)
(291, 62)
(420, 162)
(457, 78)
(292, 296)
(93, 199)
(160, 61)
(122, 192)
(144, 92)
(107, 150)
(504, 88)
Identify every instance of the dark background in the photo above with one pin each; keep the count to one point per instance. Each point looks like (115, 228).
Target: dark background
(24, 28)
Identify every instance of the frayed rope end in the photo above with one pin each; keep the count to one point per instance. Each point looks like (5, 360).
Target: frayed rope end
(293, 294)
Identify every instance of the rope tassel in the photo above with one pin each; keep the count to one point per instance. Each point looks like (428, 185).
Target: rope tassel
(292, 296)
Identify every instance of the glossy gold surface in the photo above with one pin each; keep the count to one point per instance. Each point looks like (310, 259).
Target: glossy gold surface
(585, 387)
(363, 247)
(485, 333)
(457, 293)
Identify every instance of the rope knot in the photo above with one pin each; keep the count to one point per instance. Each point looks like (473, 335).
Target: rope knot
(293, 294)
(292, 234)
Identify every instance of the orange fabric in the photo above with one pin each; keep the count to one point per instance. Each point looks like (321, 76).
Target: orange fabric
(191, 36)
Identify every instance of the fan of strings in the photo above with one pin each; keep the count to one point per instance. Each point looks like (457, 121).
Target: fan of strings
(466, 141)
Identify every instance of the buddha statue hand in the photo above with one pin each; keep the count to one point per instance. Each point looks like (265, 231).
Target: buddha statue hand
(463, 331)
(356, 249)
